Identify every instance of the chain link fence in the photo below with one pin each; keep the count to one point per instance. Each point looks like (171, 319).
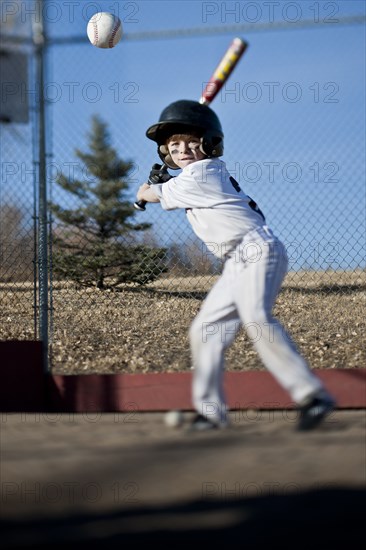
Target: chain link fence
(18, 229)
(294, 139)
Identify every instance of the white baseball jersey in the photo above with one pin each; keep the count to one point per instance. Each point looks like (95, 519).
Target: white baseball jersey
(220, 213)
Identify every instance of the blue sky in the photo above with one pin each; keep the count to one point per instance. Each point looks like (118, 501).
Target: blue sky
(321, 134)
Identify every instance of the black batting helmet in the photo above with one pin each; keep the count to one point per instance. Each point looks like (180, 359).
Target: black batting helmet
(186, 116)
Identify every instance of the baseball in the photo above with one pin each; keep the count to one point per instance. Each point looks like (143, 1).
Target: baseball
(104, 30)
(173, 419)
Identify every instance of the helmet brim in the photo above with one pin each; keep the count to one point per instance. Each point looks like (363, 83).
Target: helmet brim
(161, 131)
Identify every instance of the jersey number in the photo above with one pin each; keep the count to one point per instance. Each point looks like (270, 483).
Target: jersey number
(253, 205)
(235, 184)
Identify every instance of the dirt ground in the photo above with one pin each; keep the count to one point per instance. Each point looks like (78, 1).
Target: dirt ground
(105, 480)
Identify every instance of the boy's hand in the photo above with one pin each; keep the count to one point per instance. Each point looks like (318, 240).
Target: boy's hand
(159, 174)
(141, 191)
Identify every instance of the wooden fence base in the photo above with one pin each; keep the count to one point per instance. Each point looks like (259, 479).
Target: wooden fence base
(24, 387)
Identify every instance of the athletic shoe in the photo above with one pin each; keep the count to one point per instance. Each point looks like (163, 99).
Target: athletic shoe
(313, 412)
(201, 424)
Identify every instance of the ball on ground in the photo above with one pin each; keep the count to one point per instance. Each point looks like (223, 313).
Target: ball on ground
(104, 30)
(173, 419)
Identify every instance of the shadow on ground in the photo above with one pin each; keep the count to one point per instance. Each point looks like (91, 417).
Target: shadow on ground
(322, 518)
(326, 289)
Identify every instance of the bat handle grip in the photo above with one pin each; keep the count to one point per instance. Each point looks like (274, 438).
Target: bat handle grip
(140, 205)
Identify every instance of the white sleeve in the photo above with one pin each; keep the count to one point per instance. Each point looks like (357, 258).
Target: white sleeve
(179, 192)
(202, 184)
(158, 190)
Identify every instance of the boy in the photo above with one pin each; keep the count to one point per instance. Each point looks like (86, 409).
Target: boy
(190, 138)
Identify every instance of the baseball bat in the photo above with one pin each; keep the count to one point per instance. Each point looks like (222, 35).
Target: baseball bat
(220, 75)
(223, 70)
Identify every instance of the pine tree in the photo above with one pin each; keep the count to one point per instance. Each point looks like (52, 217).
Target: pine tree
(96, 243)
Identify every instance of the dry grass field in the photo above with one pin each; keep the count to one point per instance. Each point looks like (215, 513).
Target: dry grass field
(145, 330)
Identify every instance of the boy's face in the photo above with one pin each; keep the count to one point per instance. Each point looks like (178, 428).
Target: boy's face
(184, 149)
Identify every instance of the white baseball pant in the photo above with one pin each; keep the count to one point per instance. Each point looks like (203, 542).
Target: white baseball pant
(244, 296)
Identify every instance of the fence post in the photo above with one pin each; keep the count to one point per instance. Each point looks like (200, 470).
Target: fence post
(39, 39)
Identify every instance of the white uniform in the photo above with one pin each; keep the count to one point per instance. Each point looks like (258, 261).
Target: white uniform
(231, 225)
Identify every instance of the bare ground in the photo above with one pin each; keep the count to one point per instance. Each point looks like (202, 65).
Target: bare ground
(103, 480)
(145, 330)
